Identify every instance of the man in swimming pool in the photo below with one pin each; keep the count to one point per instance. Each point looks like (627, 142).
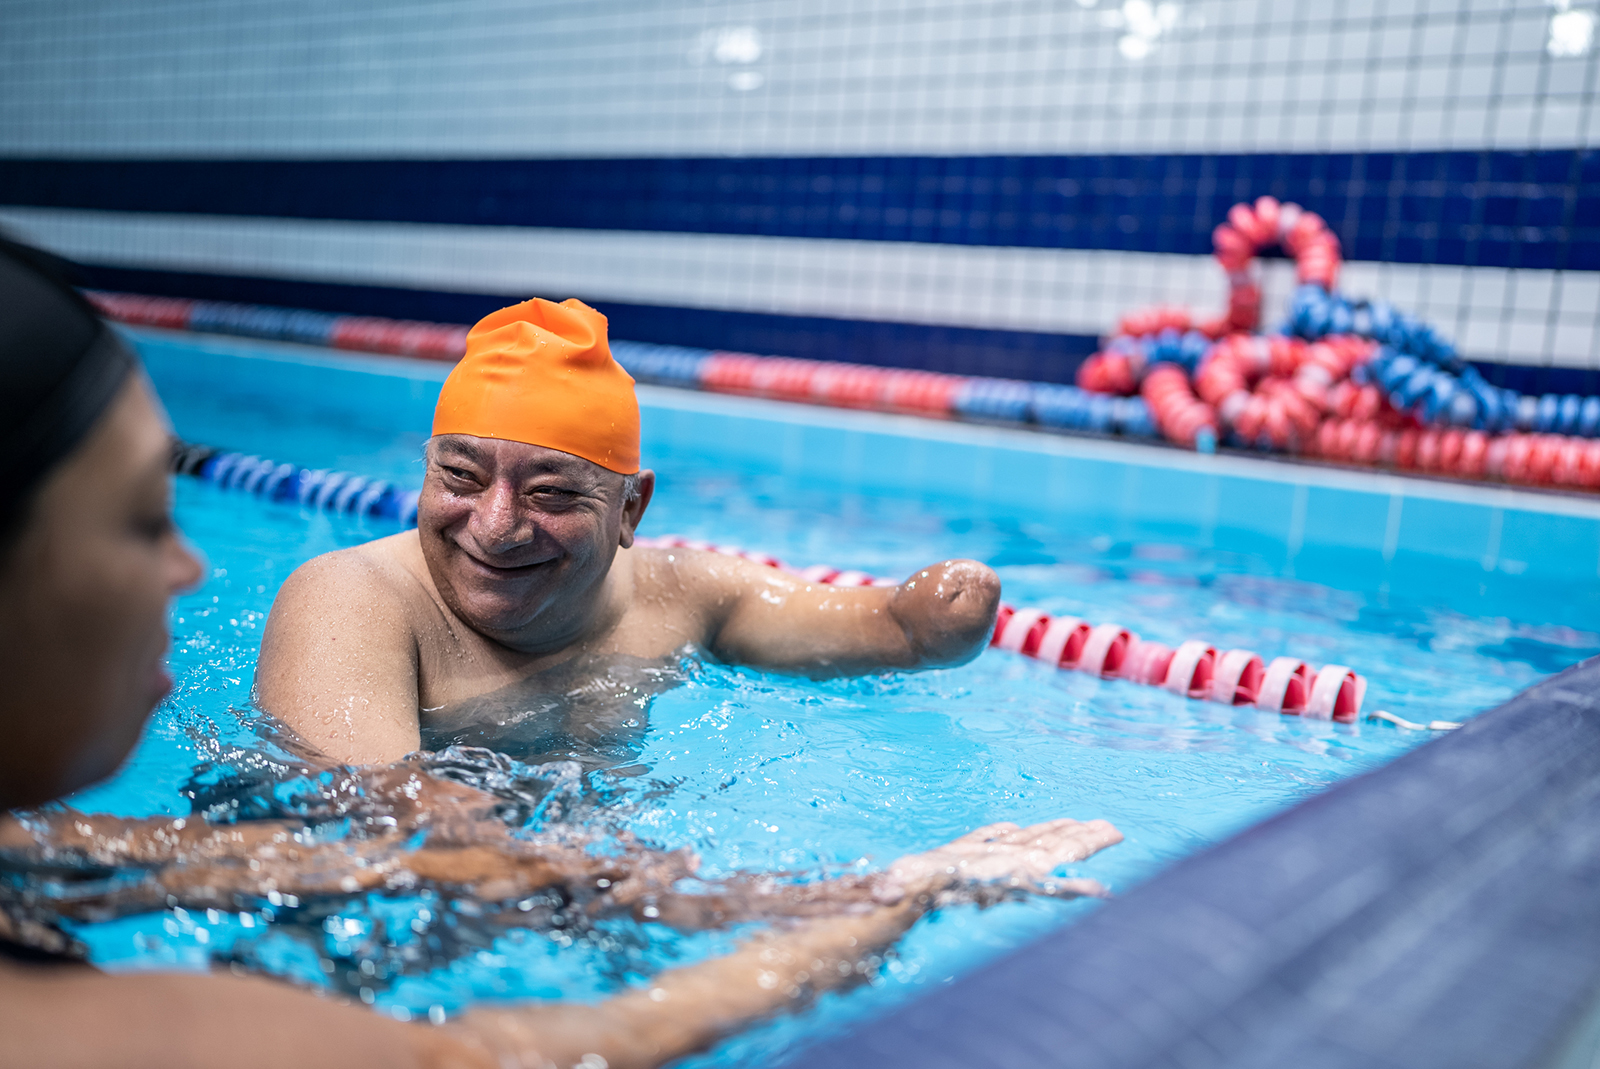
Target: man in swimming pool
(521, 615)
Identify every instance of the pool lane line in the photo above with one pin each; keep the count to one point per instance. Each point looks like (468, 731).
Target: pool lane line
(315, 488)
(1049, 405)
(1194, 669)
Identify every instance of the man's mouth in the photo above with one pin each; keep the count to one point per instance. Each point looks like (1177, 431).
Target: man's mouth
(505, 571)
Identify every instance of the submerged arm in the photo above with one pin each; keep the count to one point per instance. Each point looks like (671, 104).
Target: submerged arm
(687, 1009)
(179, 1021)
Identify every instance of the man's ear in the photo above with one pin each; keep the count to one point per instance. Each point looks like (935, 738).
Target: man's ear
(633, 511)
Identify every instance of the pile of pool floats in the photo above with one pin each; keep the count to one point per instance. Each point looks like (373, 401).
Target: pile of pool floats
(1350, 381)
(1347, 381)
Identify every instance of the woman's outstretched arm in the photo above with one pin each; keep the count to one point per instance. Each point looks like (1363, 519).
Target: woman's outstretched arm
(176, 1021)
(685, 1010)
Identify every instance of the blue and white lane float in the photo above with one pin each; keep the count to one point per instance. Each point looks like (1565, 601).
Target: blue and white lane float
(314, 488)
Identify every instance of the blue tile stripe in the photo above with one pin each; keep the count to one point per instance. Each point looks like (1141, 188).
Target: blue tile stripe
(1472, 208)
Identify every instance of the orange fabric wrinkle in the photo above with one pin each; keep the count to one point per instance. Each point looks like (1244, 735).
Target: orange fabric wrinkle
(542, 373)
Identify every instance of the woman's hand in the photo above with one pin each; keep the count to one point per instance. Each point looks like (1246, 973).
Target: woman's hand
(1003, 855)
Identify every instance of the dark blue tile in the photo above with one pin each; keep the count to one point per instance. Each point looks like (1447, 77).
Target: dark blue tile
(1512, 167)
(1494, 254)
(1142, 203)
(1543, 255)
(1501, 211)
(1584, 252)
(1556, 167)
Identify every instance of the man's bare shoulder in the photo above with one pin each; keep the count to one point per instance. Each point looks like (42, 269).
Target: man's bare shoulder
(338, 653)
(376, 578)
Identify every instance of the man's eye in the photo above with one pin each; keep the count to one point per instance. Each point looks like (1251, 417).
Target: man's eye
(458, 473)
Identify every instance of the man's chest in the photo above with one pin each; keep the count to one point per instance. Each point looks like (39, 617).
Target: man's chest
(457, 666)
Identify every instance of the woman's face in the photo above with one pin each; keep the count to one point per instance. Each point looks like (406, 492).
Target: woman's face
(83, 606)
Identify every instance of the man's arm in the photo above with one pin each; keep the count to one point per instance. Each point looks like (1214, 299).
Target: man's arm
(339, 661)
(197, 865)
(756, 615)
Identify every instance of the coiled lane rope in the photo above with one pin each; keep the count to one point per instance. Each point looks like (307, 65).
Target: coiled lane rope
(1349, 381)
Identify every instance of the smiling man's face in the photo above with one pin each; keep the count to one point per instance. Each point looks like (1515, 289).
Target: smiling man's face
(519, 538)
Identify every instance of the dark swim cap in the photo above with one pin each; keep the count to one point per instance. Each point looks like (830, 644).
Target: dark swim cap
(60, 366)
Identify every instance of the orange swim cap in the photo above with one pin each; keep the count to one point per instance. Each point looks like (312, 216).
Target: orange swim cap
(542, 373)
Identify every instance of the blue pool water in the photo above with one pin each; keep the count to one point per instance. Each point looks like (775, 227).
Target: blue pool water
(1449, 600)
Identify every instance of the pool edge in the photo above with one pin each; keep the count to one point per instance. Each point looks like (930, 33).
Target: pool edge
(1435, 913)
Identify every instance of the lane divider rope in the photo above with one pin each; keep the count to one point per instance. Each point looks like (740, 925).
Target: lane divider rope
(1195, 669)
(823, 382)
(314, 488)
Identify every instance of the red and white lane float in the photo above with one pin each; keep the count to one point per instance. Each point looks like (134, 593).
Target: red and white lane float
(831, 383)
(1270, 391)
(1195, 669)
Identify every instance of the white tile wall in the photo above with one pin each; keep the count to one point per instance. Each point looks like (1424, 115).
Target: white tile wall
(486, 78)
(624, 77)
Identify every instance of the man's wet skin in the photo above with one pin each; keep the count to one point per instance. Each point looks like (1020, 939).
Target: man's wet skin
(515, 609)
(592, 709)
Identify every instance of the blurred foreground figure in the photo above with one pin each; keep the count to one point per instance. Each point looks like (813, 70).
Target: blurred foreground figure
(89, 559)
(520, 616)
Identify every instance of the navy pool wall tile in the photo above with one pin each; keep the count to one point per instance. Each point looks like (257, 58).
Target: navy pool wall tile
(1533, 209)
(1015, 354)
(1527, 378)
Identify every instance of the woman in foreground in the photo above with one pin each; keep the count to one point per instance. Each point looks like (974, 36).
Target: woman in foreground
(89, 560)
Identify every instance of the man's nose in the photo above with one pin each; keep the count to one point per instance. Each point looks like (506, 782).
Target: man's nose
(499, 522)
